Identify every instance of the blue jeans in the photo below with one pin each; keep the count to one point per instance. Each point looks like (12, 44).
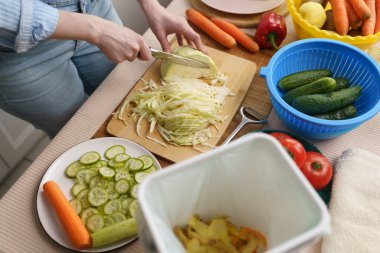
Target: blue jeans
(46, 85)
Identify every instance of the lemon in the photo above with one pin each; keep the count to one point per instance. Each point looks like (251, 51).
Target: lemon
(313, 13)
(171, 71)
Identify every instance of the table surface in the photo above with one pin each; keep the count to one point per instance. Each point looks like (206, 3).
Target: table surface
(20, 228)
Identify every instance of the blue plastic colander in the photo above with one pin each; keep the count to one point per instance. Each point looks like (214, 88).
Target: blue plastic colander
(343, 60)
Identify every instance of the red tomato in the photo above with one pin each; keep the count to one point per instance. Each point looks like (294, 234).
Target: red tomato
(295, 150)
(317, 169)
(280, 135)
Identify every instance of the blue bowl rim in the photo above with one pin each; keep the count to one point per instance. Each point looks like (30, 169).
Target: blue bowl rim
(264, 71)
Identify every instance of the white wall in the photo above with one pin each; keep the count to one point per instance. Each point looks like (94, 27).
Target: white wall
(132, 15)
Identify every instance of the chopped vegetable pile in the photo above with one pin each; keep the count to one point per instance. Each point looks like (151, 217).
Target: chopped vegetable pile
(219, 235)
(182, 110)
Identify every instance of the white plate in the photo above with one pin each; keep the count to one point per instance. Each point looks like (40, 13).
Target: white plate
(56, 172)
(243, 6)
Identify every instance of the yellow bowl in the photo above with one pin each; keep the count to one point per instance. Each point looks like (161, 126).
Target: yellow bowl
(305, 30)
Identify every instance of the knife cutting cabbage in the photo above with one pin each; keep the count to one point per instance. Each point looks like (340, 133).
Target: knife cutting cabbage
(158, 54)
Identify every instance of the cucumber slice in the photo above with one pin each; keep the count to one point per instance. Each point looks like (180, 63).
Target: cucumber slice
(125, 205)
(121, 158)
(112, 206)
(112, 194)
(118, 216)
(147, 160)
(107, 173)
(95, 222)
(122, 186)
(134, 191)
(116, 165)
(87, 213)
(90, 157)
(152, 169)
(97, 196)
(76, 204)
(140, 176)
(98, 181)
(73, 168)
(77, 187)
(84, 176)
(135, 164)
(108, 220)
(83, 197)
(111, 152)
(122, 173)
(132, 210)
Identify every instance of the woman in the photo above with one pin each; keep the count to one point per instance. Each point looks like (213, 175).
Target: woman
(55, 53)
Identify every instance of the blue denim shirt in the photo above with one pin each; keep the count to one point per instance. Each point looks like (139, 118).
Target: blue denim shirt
(24, 23)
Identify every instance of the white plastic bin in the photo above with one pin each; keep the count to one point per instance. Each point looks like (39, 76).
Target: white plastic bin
(252, 180)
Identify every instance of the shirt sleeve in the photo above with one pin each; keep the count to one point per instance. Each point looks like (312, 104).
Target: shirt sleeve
(24, 23)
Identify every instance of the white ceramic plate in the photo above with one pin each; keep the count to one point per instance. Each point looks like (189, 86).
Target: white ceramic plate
(56, 172)
(243, 6)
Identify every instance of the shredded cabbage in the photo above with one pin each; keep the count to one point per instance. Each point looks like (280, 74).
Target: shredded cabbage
(182, 110)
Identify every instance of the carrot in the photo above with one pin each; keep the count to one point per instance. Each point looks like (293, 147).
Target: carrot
(361, 9)
(340, 16)
(377, 24)
(236, 33)
(69, 219)
(210, 28)
(368, 27)
(354, 20)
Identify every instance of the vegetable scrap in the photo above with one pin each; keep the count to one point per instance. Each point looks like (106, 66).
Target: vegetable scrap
(219, 235)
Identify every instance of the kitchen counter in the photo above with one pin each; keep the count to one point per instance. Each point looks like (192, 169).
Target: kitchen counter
(20, 228)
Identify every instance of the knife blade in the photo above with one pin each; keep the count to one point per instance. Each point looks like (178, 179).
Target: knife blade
(158, 54)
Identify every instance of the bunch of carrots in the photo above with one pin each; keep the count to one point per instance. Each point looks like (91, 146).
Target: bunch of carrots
(222, 31)
(364, 14)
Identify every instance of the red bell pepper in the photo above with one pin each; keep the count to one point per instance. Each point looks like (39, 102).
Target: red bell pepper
(271, 30)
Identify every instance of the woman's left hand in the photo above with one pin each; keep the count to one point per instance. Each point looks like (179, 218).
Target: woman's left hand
(164, 23)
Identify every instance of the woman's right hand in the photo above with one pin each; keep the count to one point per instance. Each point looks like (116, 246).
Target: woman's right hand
(117, 42)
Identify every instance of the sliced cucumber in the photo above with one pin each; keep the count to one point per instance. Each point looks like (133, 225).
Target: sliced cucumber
(122, 173)
(134, 191)
(83, 197)
(97, 196)
(77, 187)
(77, 205)
(108, 220)
(87, 213)
(98, 181)
(147, 160)
(90, 157)
(125, 205)
(132, 210)
(95, 222)
(135, 164)
(152, 169)
(84, 176)
(121, 158)
(139, 176)
(118, 216)
(107, 173)
(116, 165)
(111, 152)
(112, 206)
(73, 168)
(122, 186)
(112, 194)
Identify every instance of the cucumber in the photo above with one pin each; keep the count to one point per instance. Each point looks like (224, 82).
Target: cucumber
(73, 168)
(135, 164)
(76, 204)
(122, 174)
(108, 220)
(114, 232)
(347, 112)
(77, 187)
(322, 85)
(112, 194)
(87, 213)
(98, 181)
(121, 158)
(90, 157)
(122, 186)
(341, 83)
(300, 78)
(321, 103)
(140, 176)
(147, 161)
(83, 197)
(95, 222)
(118, 216)
(111, 152)
(107, 173)
(112, 206)
(97, 196)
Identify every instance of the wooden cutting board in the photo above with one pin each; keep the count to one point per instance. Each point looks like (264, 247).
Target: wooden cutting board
(240, 73)
(240, 20)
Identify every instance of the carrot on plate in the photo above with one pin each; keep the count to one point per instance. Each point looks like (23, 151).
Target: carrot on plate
(368, 27)
(340, 16)
(354, 20)
(377, 24)
(69, 219)
(203, 23)
(236, 33)
(361, 8)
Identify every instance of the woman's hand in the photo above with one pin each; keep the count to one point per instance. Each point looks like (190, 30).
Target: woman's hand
(163, 23)
(117, 42)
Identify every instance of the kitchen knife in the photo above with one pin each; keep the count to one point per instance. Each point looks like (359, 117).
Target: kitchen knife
(158, 54)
